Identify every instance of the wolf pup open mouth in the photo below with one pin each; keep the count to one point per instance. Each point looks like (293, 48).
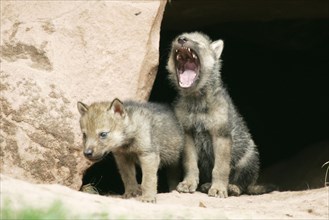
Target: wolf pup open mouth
(187, 66)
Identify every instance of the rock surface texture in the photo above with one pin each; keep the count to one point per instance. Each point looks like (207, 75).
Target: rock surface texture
(55, 53)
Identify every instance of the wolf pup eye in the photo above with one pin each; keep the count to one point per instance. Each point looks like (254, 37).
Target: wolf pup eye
(103, 135)
(84, 136)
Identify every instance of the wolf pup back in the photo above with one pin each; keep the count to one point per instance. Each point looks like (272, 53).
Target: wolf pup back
(144, 133)
(219, 151)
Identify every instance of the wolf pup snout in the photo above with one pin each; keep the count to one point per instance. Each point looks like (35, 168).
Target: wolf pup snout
(88, 153)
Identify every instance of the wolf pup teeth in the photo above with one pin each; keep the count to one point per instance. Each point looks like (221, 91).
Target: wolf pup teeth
(219, 151)
(144, 133)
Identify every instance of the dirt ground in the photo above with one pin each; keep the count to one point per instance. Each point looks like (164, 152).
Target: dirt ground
(308, 204)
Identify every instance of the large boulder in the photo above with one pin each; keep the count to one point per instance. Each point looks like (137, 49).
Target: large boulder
(55, 53)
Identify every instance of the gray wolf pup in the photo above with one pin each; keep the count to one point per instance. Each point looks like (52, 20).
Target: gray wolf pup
(144, 133)
(219, 148)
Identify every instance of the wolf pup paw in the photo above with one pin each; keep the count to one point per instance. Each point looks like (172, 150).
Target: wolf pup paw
(187, 186)
(147, 199)
(205, 187)
(132, 193)
(220, 192)
(234, 190)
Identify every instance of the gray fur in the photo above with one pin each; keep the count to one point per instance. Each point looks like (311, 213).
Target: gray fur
(226, 154)
(145, 133)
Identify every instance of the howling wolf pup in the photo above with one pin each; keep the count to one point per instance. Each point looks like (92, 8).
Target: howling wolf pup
(144, 133)
(218, 142)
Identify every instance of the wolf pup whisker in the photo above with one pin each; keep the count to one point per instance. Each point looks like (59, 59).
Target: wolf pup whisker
(147, 134)
(219, 151)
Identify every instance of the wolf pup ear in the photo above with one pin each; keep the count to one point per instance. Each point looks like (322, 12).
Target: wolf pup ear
(117, 107)
(83, 108)
(217, 46)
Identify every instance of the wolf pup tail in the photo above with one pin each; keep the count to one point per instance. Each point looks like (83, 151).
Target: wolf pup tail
(234, 190)
(260, 189)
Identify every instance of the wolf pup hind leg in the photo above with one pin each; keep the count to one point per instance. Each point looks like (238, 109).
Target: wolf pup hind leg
(219, 149)
(144, 133)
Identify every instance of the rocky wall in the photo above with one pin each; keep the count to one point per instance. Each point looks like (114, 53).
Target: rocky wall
(55, 53)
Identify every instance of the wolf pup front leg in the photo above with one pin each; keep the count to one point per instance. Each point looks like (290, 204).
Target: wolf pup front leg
(222, 166)
(127, 170)
(219, 152)
(190, 165)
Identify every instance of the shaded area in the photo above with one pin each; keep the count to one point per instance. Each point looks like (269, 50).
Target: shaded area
(105, 179)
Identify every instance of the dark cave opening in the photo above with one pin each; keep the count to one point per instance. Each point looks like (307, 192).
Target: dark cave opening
(276, 71)
(281, 92)
(105, 179)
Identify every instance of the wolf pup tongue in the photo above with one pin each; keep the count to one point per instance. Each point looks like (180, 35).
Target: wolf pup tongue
(186, 78)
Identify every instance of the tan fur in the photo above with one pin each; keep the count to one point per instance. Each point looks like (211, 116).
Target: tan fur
(143, 133)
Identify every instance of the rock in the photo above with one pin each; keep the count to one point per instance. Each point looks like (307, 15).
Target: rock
(55, 53)
(19, 196)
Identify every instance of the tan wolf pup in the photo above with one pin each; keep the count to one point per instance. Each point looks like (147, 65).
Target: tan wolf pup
(144, 133)
(219, 151)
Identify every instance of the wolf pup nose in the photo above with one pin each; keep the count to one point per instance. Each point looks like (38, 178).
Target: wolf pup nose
(88, 153)
(219, 151)
(144, 133)
(182, 40)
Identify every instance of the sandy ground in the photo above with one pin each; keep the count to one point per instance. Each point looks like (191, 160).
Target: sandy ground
(309, 204)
